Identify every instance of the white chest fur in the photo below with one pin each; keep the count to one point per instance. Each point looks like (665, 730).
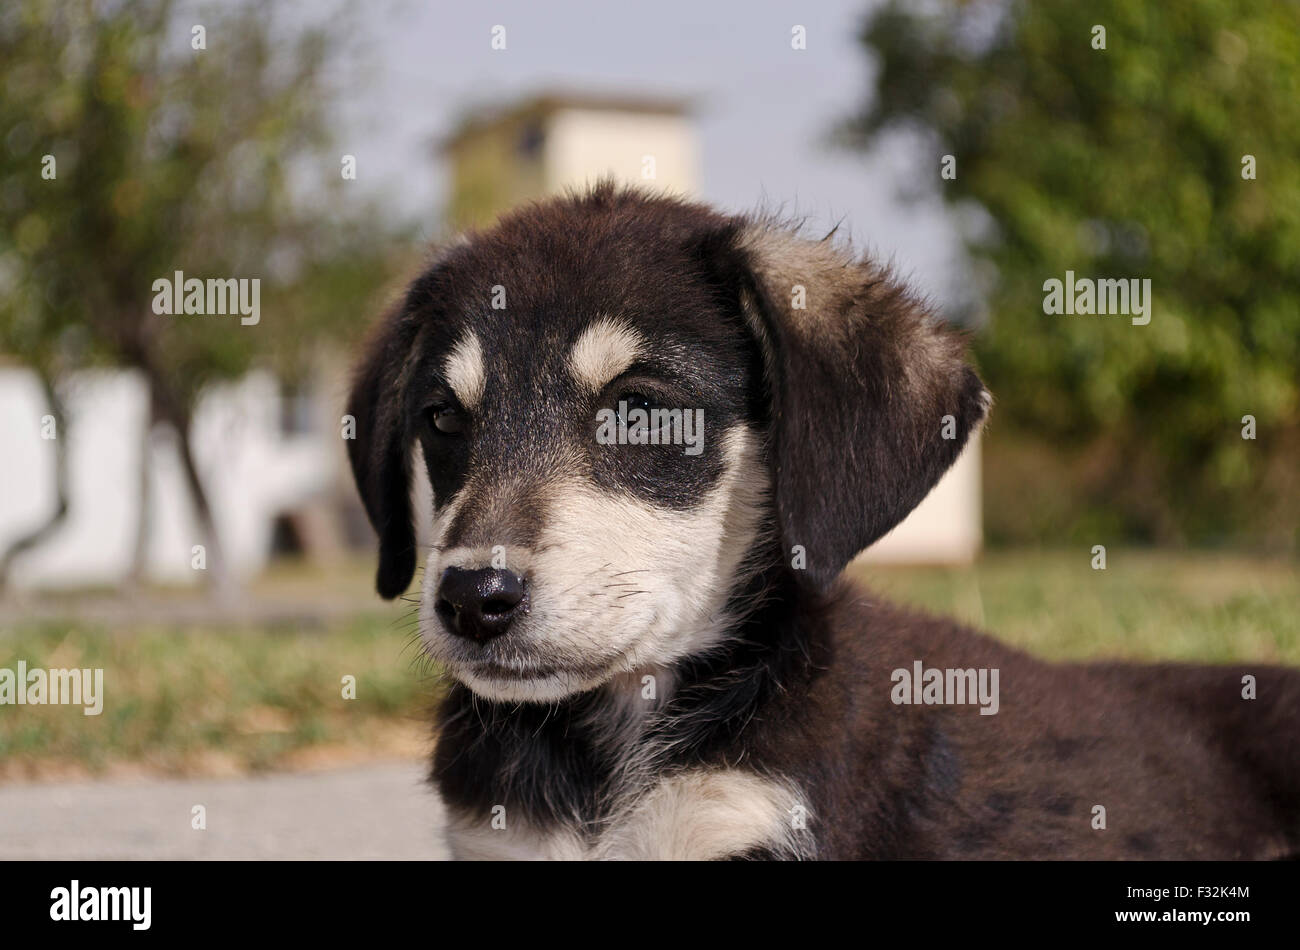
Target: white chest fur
(694, 815)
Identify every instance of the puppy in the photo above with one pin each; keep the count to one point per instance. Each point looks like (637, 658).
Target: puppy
(655, 435)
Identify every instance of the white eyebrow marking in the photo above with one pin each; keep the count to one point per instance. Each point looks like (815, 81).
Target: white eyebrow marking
(604, 350)
(463, 370)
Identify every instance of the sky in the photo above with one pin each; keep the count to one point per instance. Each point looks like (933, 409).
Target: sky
(764, 111)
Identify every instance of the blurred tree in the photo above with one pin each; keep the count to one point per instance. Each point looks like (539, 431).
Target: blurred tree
(1122, 162)
(126, 154)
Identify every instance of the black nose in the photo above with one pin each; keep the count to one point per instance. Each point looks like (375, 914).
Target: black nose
(480, 604)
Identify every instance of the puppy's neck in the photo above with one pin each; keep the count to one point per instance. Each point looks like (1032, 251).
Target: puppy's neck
(576, 758)
(757, 629)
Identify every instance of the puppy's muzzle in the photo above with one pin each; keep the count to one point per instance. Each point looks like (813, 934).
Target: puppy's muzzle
(480, 604)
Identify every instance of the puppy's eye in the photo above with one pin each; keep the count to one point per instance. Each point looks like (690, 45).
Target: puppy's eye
(636, 412)
(446, 419)
(630, 401)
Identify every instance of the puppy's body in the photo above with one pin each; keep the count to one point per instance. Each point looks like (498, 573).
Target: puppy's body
(654, 657)
(1182, 765)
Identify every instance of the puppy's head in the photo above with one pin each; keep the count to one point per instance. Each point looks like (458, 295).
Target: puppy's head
(627, 405)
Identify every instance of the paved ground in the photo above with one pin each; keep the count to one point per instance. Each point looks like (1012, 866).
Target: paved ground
(375, 811)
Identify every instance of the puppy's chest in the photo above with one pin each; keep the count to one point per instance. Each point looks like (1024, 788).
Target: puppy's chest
(696, 814)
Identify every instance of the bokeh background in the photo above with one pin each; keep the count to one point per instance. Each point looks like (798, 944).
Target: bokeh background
(323, 147)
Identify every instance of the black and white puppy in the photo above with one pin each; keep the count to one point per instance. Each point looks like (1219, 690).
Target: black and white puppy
(653, 654)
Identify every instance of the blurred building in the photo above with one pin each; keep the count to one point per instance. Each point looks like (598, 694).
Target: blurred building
(544, 144)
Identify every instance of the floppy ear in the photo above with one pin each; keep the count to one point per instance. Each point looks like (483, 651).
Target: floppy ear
(871, 400)
(380, 452)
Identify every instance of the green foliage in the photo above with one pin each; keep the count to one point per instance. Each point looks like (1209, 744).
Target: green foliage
(216, 162)
(1126, 162)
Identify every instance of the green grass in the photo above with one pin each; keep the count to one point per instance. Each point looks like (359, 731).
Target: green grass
(1145, 606)
(219, 700)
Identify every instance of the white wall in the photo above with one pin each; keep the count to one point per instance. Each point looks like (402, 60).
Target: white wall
(585, 144)
(250, 470)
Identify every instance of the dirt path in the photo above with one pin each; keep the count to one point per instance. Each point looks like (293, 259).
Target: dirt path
(376, 811)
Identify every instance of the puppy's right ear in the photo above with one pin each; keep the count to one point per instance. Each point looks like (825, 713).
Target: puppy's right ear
(380, 451)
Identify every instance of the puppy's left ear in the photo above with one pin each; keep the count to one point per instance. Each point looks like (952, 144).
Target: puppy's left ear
(380, 453)
(871, 399)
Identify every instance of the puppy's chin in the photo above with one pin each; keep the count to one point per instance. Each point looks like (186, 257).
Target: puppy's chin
(520, 688)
